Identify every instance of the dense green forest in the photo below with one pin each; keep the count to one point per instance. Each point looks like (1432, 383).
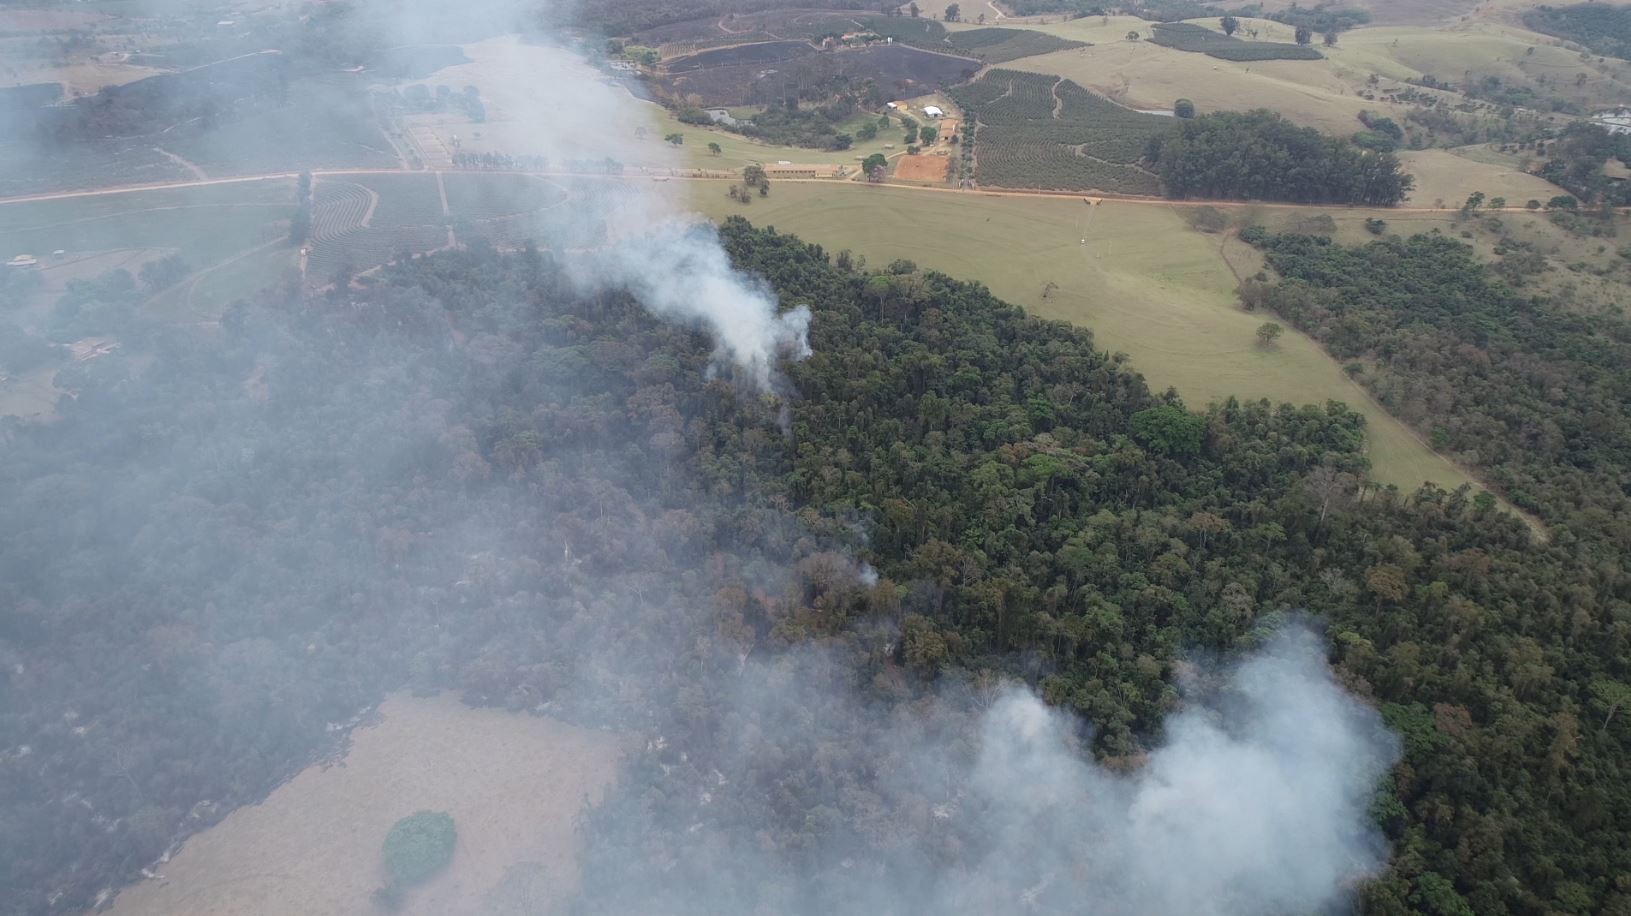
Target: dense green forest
(1534, 394)
(1259, 155)
(1602, 27)
(472, 475)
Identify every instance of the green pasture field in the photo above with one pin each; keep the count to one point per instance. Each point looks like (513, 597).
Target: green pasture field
(233, 236)
(1444, 178)
(1144, 282)
(204, 223)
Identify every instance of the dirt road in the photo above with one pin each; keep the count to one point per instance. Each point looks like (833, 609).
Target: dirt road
(678, 175)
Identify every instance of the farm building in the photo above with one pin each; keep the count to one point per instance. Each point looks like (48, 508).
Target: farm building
(791, 170)
(933, 111)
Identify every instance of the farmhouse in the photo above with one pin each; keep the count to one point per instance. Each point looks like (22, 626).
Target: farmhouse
(933, 111)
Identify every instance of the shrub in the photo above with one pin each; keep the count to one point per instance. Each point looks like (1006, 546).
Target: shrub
(419, 846)
(1169, 430)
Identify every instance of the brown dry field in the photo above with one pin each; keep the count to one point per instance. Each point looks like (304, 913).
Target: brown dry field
(514, 785)
(922, 168)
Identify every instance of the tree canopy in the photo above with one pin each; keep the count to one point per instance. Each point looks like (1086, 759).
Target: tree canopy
(1259, 155)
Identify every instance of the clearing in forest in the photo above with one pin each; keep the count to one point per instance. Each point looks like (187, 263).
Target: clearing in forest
(514, 785)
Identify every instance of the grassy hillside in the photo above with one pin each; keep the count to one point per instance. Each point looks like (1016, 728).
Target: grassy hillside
(1145, 75)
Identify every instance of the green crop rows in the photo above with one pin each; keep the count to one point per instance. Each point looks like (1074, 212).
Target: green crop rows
(997, 46)
(1038, 131)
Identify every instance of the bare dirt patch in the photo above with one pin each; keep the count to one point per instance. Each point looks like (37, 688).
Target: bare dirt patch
(922, 168)
(513, 784)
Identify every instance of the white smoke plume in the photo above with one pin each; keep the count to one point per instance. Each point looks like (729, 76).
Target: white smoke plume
(1254, 801)
(638, 236)
(1253, 804)
(679, 271)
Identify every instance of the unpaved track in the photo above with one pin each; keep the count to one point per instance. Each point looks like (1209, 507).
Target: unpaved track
(673, 176)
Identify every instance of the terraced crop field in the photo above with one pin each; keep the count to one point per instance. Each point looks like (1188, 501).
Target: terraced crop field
(404, 213)
(503, 209)
(338, 207)
(731, 81)
(1039, 131)
(997, 46)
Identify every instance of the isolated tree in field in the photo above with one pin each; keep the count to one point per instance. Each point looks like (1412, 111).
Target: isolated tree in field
(867, 132)
(954, 12)
(875, 162)
(417, 847)
(1497, 203)
(1183, 108)
(715, 148)
(981, 20)
(1133, 35)
(1230, 25)
(1304, 34)
(911, 135)
(928, 134)
(1268, 332)
(1474, 201)
(1050, 289)
(913, 10)
(754, 175)
(1330, 38)
(675, 138)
